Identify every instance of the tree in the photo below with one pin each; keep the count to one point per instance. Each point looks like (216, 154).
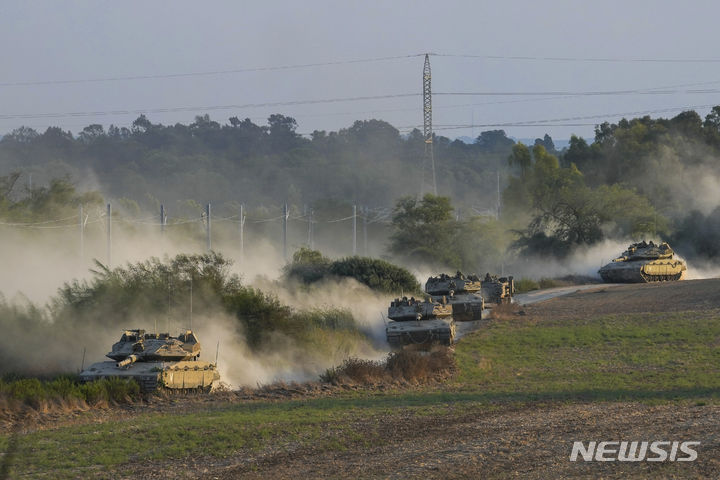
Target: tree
(424, 231)
(493, 141)
(520, 158)
(282, 132)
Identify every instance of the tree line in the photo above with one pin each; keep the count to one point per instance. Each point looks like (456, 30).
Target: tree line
(638, 178)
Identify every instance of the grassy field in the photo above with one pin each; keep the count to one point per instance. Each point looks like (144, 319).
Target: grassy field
(658, 358)
(640, 356)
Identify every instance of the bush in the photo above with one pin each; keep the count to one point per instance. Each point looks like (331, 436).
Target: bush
(34, 391)
(309, 266)
(376, 274)
(525, 285)
(408, 365)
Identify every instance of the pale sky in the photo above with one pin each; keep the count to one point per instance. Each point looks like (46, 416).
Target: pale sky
(625, 46)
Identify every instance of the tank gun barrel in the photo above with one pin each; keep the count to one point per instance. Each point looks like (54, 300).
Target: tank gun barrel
(128, 361)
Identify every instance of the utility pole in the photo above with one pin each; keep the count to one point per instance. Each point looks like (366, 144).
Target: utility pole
(82, 236)
(365, 224)
(311, 240)
(284, 230)
(429, 156)
(109, 235)
(354, 230)
(163, 219)
(242, 233)
(497, 214)
(208, 229)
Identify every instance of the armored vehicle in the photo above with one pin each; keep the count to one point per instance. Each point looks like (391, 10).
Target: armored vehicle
(462, 293)
(156, 360)
(402, 309)
(498, 289)
(644, 262)
(419, 322)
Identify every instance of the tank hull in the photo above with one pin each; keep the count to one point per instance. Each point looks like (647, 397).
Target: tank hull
(643, 271)
(182, 375)
(463, 307)
(426, 332)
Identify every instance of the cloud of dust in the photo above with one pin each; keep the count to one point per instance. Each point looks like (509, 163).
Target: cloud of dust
(36, 263)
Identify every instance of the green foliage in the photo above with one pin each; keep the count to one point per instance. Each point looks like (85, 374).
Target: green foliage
(524, 285)
(161, 288)
(369, 160)
(565, 212)
(424, 231)
(59, 199)
(376, 274)
(309, 266)
(33, 391)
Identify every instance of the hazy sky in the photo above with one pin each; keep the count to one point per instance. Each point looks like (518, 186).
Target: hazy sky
(625, 46)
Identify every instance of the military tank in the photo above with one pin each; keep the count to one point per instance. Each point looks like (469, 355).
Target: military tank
(644, 262)
(156, 360)
(498, 289)
(462, 293)
(421, 322)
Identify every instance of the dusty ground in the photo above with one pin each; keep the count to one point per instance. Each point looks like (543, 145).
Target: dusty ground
(632, 298)
(530, 442)
(510, 441)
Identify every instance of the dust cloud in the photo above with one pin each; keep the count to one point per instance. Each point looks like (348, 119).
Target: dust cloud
(37, 263)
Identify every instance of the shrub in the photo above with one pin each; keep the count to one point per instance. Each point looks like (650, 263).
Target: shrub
(525, 285)
(376, 274)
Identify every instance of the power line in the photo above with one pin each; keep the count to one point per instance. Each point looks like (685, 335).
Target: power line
(203, 108)
(553, 122)
(206, 73)
(581, 59)
(349, 62)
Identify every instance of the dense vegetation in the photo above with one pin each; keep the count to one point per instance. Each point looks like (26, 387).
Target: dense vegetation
(36, 340)
(639, 178)
(309, 266)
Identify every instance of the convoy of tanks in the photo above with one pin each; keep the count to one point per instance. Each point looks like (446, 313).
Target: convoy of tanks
(157, 360)
(448, 300)
(461, 298)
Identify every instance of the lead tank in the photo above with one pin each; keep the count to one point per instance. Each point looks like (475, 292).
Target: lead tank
(644, 262)
(462, 293)
(156, 360)
(419, 322)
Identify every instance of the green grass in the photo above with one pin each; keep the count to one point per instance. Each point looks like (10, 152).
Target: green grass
(671, 357)
(327, 424)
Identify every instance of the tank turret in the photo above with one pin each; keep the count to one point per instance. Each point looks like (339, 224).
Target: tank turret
(644, 262)
(462, 293)
(422, 322)
(156, 359)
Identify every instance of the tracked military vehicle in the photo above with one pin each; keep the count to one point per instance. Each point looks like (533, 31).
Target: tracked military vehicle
(157, 360)
(498, 289)
(419, 322)
(644, 262)
(462, 293)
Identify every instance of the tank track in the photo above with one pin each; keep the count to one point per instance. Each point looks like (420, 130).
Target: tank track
(660, 278)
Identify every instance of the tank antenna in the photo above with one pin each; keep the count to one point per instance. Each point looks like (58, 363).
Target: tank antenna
(217, 351)
(191, 306)
(82, 364)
